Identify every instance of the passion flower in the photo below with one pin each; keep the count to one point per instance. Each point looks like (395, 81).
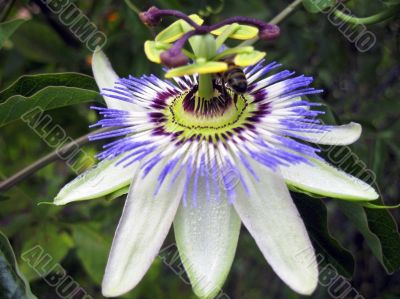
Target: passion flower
(205, 158)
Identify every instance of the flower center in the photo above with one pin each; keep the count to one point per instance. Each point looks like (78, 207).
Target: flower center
(191, 115)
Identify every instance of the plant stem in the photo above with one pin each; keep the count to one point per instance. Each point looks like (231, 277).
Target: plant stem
(286, 12)
(132, 6)
(276, 20)
(42, 162)
(379, 17)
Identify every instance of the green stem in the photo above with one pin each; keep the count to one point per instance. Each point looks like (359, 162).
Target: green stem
(132, 6)
(53, 156)
(379, 17)
(276, 20)
(287, 11)
(206, 89)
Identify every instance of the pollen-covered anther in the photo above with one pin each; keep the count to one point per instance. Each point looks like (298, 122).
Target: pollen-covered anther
(150, 17)
(173, 58)
(269, 31)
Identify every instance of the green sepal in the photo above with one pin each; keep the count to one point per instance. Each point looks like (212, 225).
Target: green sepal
(374, 206)
(299, 190)
(365, 204)
(246, 59)
(117, 193)
(209, 67)
(177, 29)
(243, 32)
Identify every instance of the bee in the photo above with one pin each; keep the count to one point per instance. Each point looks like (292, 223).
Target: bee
(235, 79)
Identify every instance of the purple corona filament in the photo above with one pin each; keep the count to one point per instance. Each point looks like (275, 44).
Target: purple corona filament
(270, 133)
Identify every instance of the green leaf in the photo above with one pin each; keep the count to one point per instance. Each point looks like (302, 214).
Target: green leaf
(52, 97)
(8, 28)
(92, 249)
(28, 85)
(379, 231)
(43, 250)
(316, 6)
(328, 249)
(12, 282)
(40, 43)
(382, 224)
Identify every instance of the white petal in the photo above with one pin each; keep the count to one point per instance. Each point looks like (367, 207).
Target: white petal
(324, 179)
(271, 217)
(144, 224)
(206, 237)
(337, 135)
(104, 178)
(105, 78)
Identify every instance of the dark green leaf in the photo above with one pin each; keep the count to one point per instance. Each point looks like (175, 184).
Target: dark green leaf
(376, 224)
(316, 6)
(380, 233)
(48, 98)
(8, 28)
(314, 214)
(30, 84)
(12, 284)
(382, 224)
(92, 249)
(40, 43)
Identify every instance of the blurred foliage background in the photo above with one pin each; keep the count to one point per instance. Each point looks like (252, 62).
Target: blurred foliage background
(362, 87)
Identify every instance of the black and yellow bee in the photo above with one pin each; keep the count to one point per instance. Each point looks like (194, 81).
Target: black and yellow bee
(234, 78)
